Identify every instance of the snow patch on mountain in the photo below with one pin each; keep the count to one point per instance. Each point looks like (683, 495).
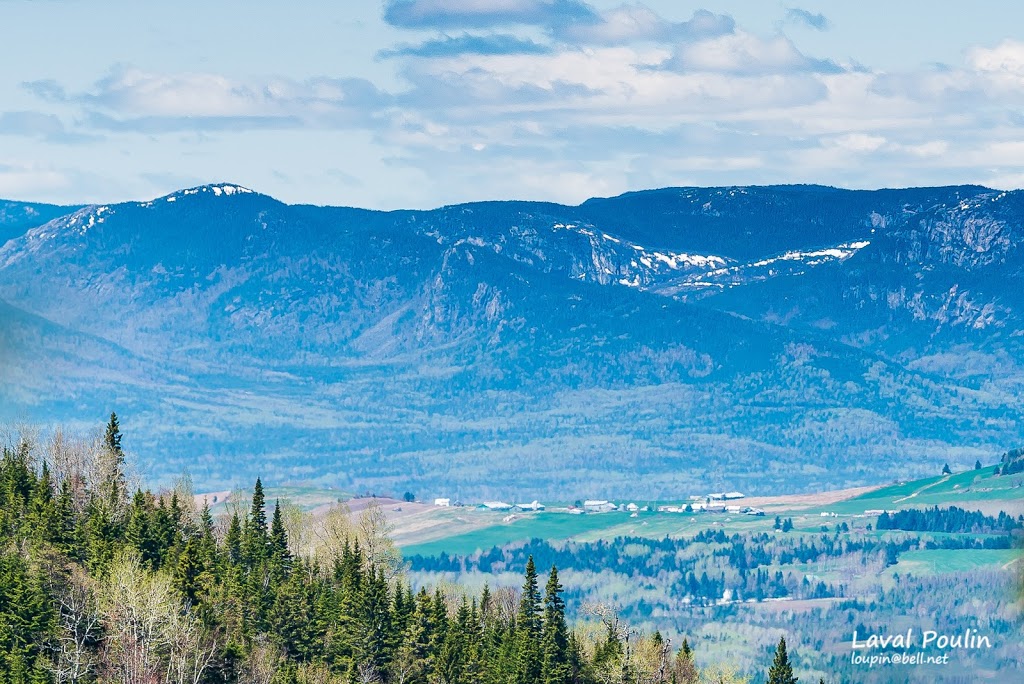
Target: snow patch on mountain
(791, 263)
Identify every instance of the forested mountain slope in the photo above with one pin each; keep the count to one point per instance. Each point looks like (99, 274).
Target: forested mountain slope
(749, 338)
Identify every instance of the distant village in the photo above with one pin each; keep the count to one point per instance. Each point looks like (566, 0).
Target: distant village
(718, 502)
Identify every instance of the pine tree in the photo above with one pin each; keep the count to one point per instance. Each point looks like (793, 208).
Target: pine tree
(452, 659)
(233, 540)
(255, 538)
(684, 670)
(207, 541)
(188, 571)
(528, 629)
(113, 485)
(781, 671)
(63, 534)
(112, 438)
(279, 538)
(290, 618)
(43, 515)
(946, 470)
(977, 464)
(555, 641)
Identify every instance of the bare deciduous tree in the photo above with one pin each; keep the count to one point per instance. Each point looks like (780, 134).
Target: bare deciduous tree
(366, 673)
(74, 656)
(260, 665)
(149, 636)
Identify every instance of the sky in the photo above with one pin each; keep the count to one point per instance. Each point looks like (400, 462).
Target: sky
(421, 103)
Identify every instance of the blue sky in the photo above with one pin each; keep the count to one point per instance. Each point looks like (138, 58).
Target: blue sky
(419, 103)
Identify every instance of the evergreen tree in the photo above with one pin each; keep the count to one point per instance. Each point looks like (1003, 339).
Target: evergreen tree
(255, 539)
(112, 438)
(977, 464)
(113, 485)
(555, 642)
(781, 671)
(188, 571)
(233, 540)
(946, 470)
(528, 629)
(684, 670)
(279, 538)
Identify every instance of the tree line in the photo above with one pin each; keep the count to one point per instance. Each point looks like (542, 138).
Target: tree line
(950, 520)
(103, 583)
(1011, 462)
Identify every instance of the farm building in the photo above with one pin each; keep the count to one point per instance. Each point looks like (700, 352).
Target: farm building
(598, 506)
(533, 506)
(442, 502)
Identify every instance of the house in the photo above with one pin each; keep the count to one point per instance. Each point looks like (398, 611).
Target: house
(598, 506)
(575, 511)
(443, 502)
(496, 506)
(533, 506)
(632, 507)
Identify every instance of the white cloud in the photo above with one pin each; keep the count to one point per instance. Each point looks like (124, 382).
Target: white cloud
(1006, 60)
(858, 142)
(932, 148)
(639, 23)
(622, 98)
(743, 53)
(22, 180)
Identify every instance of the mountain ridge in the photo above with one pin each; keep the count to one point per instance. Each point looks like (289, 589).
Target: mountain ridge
(769, 325)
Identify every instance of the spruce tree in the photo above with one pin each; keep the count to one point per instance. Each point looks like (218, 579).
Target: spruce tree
(781, 671)
(112, 438)
(255, 532)
(188, 571)
(684, 670)
(233, 540)
(528, 629)
(555, 640)
(112, 481)
(278, 537)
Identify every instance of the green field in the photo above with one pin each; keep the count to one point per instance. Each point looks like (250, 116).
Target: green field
(959, 488)
(547, 525)
(940, 561)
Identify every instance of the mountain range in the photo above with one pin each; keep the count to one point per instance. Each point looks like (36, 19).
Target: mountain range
(650, 345)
